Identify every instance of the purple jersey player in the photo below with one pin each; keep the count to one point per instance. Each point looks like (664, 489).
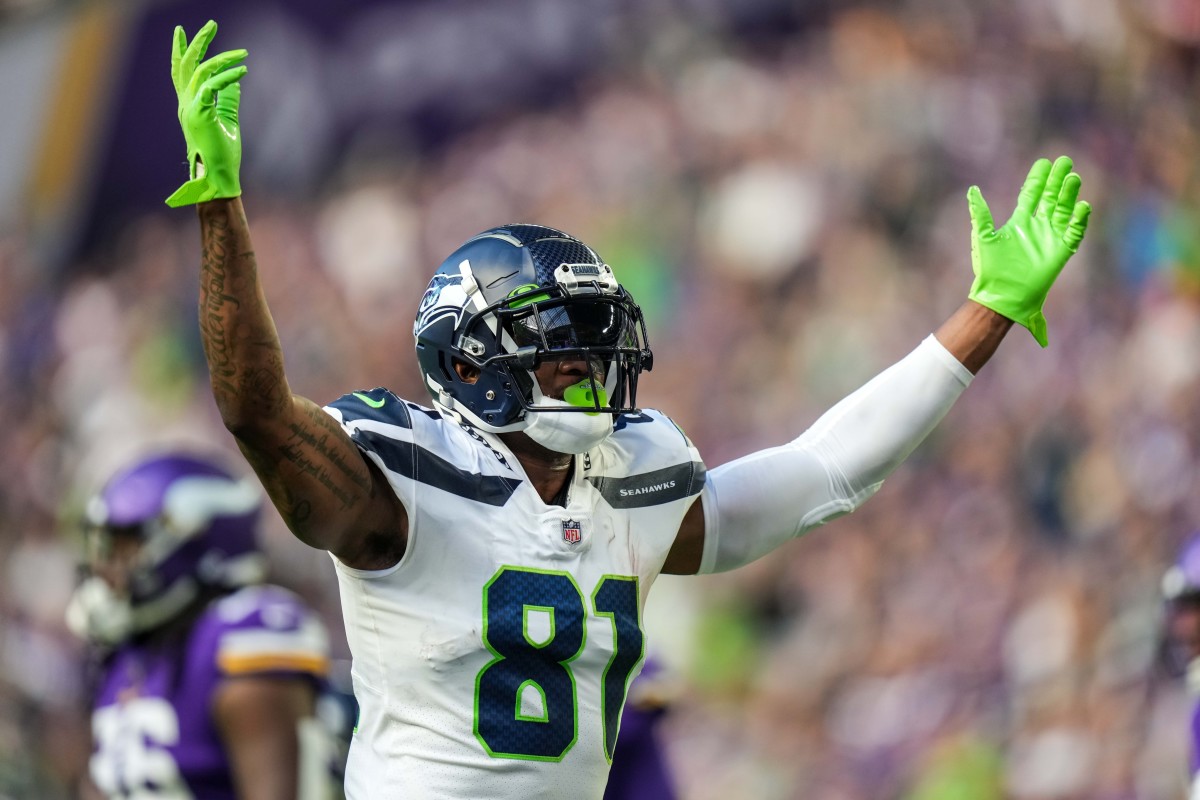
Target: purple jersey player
(209, 678)
(1181, 589)
(639, 768)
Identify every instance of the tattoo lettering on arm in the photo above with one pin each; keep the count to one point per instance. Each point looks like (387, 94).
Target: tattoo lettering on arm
(329, 495)
(315, 449)
(213, 300)
(245, 359)
(340, 482)
(316, 477)
(264, 388)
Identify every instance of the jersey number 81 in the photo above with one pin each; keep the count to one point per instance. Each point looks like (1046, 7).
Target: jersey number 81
(521, 664)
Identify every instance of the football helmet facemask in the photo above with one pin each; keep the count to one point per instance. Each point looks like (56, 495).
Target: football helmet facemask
(511, 299)
(179, 524)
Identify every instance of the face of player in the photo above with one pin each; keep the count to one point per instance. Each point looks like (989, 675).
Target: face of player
(114, 556)
(554, 377)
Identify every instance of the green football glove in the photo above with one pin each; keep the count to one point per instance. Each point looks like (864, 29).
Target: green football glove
(1016, 265)
(209, 94)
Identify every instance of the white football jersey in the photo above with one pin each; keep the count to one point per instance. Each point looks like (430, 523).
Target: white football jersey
(493, 661)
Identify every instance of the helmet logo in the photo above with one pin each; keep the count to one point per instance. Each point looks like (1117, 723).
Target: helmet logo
(571, 531)
(444, 297)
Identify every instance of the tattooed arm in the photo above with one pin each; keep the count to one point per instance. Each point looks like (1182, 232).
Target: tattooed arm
(329, 495)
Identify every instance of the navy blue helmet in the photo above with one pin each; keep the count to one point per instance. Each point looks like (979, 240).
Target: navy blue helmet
(508, 300)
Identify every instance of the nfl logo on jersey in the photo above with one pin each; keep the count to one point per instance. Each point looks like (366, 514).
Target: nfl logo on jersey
(571, 531)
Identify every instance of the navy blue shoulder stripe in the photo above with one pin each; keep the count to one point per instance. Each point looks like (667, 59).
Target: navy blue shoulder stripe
(415, 462)
(379, 405)
(652, 488)
(429, 412)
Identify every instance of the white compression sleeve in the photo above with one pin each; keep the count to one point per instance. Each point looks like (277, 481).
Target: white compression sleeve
(756, 503)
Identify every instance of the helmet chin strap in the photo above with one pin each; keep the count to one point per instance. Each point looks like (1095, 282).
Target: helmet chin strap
(572, 433)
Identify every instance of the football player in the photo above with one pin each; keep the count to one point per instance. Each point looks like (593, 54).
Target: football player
(208, 678)
(640, 768)
(1181, 590)
(514, 529)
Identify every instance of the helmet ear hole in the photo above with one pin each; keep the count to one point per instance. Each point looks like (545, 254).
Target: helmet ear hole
(467, 373)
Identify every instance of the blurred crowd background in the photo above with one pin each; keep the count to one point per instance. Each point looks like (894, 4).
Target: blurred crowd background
(781, 184)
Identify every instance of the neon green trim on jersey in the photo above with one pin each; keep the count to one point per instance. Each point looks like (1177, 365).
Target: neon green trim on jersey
(564, 665)
(604, 699)
(372, 403)
(525, 625)
(545, 717)
(681, 432)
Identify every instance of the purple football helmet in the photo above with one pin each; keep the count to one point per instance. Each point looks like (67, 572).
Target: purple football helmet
(194, 524)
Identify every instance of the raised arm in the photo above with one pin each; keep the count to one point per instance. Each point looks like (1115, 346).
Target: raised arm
(752, 505)
(328, 493)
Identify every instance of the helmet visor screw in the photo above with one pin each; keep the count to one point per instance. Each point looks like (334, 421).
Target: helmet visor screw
(490, 395)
